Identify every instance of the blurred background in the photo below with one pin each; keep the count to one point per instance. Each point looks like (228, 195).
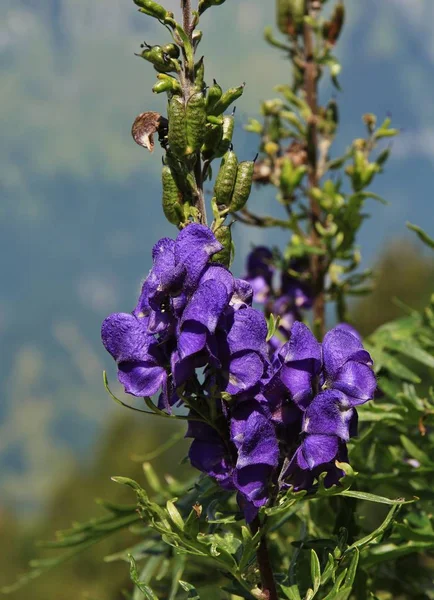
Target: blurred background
(80, 210)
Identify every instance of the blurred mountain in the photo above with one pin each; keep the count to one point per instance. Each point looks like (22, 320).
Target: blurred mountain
(79, 207)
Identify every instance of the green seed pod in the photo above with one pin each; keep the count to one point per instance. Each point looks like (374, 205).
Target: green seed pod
(171, 50)
(290, 16)
(226, 100)
(199, 74)
(205, 4)
(214, 94)
(243, 185)
(224, 236)
(151, 8)
(184, 179)
(227, 133)
(172, 198)
(213, 137)
(196, 122)
(225, 180)
(156, 56)
(166, 83)
(177, 135)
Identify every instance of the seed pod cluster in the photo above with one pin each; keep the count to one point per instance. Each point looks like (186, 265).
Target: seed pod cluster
(166, 83)
(233, 183)
(162, 61)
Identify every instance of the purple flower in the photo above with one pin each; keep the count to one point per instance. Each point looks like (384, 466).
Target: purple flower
(254, 437)
(137, 354)
(209, 454)
(260, 272)
(348, 366)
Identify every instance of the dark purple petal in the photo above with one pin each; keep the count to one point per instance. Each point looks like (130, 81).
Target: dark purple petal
(339, 346)
(141, 378)
(194, 246)
(302, 346)
(297, 378)
(243, 294)
(329, 413)
(357, 381)
(220, 274)
(126, 337)
(192, 339)
(253, 434)
(349, 329)
(245, 371)
(252, 482)
(248, 331)
(317, 450)
(206, 305)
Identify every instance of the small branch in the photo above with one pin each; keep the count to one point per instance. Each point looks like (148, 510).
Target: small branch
(267, 578)
(249, 218)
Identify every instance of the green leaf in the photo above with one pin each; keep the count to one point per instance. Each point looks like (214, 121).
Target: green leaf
(291, 592)
(352, 569)
(315, 571)
(374, 498)
(192, 592)
(415, 452)
(148, 593)
(175, 515)
(390, 517)
(426, 239)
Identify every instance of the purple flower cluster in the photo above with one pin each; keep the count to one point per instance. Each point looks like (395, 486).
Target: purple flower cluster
(257, 424)
(288, 300)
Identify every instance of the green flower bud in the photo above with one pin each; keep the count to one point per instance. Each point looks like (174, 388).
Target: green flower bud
(177, 135)
(243, 185)
(290, 16)
(172, 198)
(224, 236)
(226, 178)
(205, 4)
(196, 122)
(214, 94)
(153, 9)
(226, 100)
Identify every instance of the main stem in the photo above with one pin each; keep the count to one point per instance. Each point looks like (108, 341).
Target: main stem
(267, 577)
(187, 85)
(317, 262)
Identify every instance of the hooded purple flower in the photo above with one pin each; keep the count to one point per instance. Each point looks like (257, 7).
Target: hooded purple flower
(260, 272)
(139, 358)
(347, 366)
(209, 454)
(254, 436)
